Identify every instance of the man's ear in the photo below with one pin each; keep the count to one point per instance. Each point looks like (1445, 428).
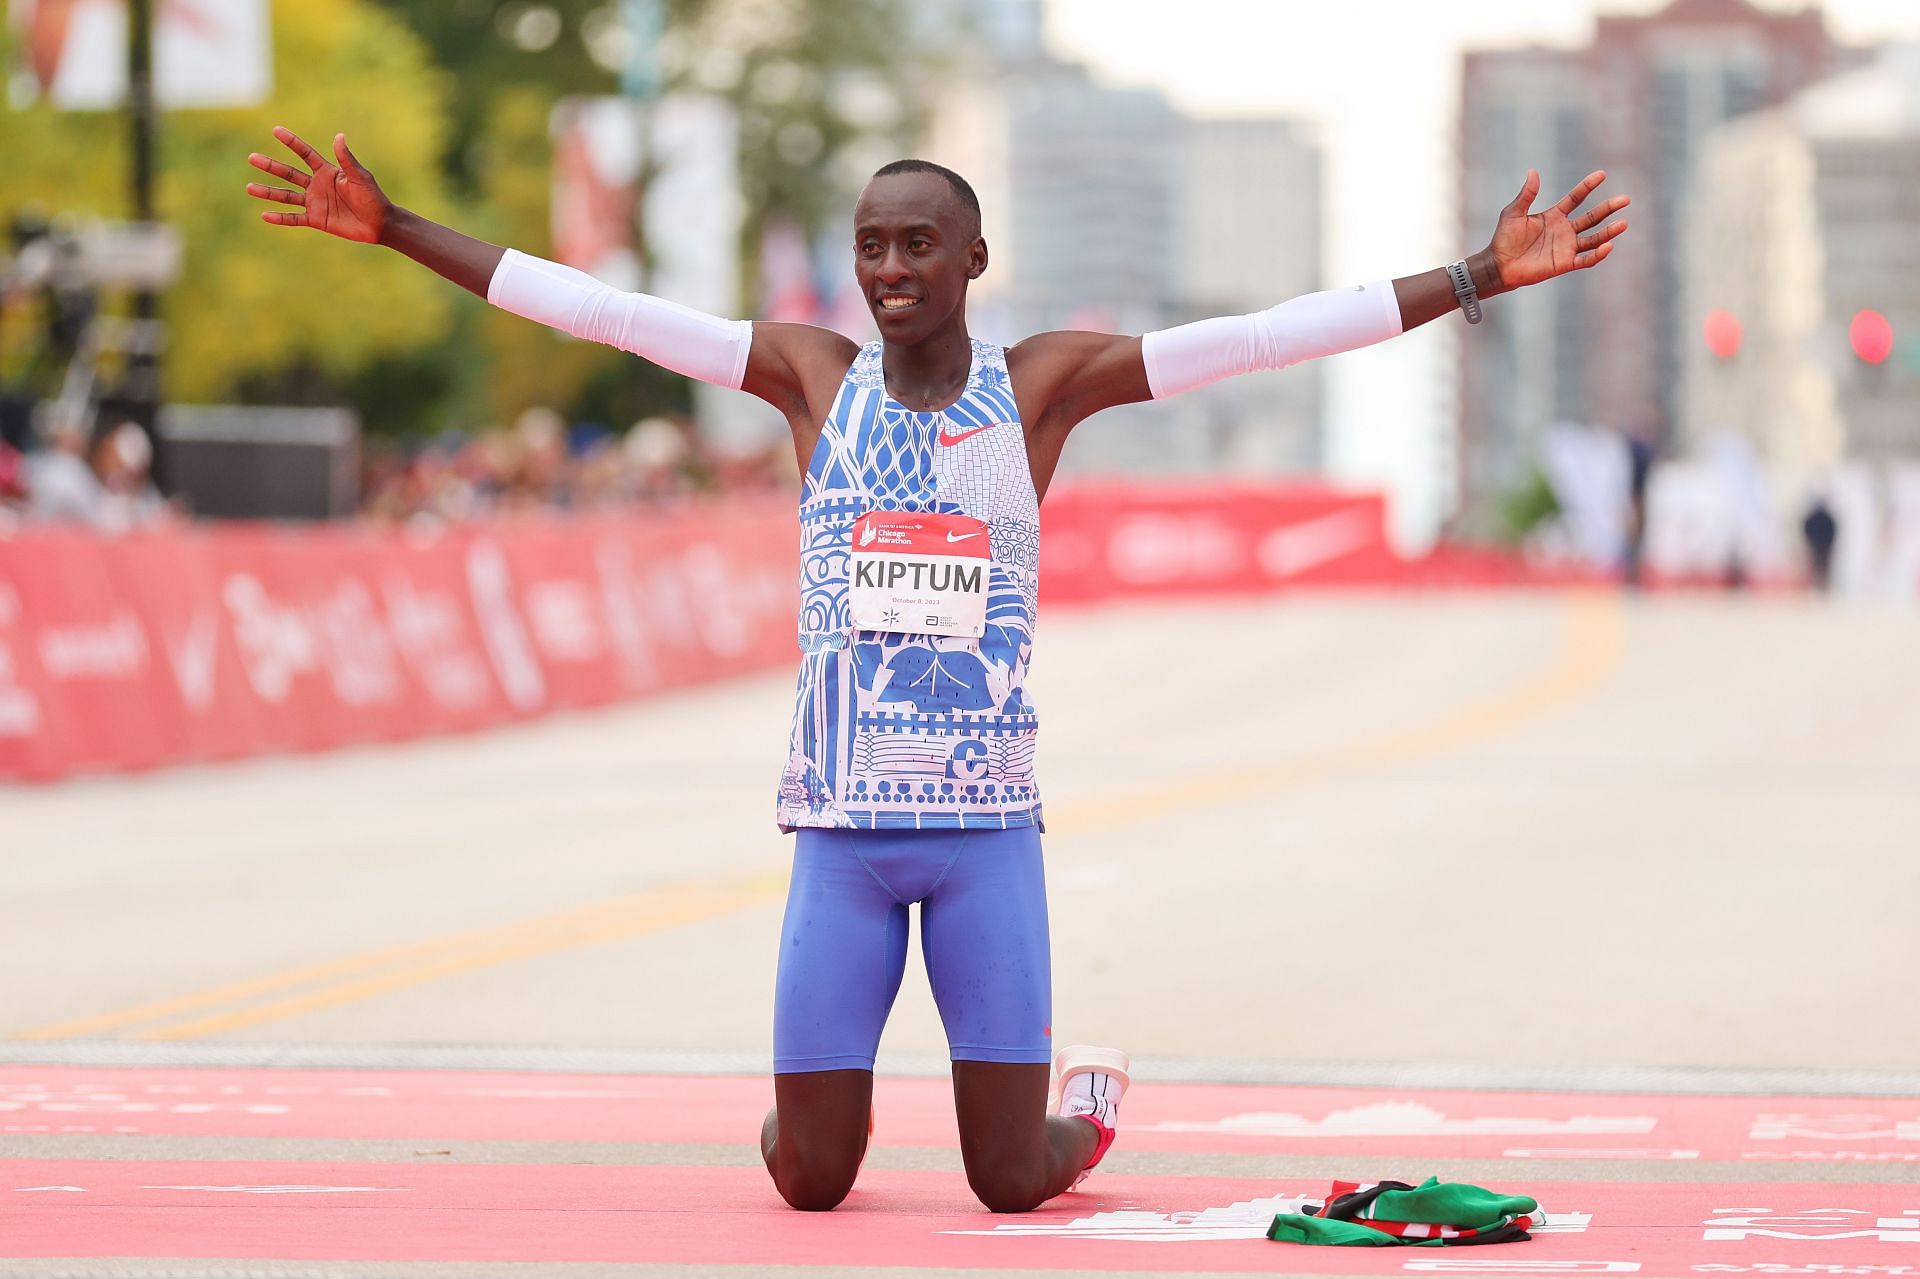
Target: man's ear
(976, 259)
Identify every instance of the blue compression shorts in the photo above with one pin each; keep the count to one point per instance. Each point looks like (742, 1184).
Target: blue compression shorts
(843, 948)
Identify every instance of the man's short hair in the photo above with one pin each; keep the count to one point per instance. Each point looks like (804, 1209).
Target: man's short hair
(961, 187)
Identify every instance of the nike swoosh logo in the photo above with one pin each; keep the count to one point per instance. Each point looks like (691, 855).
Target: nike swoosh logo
(951, 440)
(1293, 549)
(961, 537)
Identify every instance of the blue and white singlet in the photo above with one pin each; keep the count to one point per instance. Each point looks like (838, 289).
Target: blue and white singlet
(899, 731)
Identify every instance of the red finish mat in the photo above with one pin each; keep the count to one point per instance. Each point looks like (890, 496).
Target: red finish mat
(1189, 1118)
(710, 1216)
(658, 1212)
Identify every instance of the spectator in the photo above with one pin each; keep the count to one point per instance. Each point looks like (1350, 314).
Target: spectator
(123, 465)
(541, 464)
(541, 477)
(13, 486)
(656, 453)
(61, 486)
(1821, 531)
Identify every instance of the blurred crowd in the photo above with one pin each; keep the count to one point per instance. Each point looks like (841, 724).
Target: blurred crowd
(103, 478)
(542, 463)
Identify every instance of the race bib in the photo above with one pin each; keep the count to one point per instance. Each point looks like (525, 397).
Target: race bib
(920, 574)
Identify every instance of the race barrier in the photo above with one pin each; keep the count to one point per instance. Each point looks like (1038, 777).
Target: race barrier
(216, 642)
(1104, 541)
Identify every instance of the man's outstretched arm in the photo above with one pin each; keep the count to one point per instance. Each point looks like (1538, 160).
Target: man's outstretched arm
(790, 366)
(1064, 378)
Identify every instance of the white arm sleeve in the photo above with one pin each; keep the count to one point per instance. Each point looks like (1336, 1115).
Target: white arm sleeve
(1304, 328)
(673, 336)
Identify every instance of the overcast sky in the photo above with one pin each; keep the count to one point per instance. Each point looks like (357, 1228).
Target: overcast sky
(1380, 79)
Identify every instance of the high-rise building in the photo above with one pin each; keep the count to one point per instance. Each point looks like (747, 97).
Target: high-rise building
(1638, 102)
(1248, 230)
(1804, 219)
(1104, 208)
(1525, 366)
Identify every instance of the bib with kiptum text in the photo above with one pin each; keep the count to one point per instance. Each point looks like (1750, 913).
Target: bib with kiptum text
(925, 573)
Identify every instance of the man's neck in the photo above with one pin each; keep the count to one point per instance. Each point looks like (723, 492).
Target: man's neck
(931, 374)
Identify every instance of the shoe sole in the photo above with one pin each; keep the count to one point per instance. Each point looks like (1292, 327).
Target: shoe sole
(1080, 1059)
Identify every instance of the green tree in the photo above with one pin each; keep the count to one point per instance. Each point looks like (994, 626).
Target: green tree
(448, 101)
(504, 48)
(824, 89)
(1525, 506)
(827, 91)
(301, 314)
(821, 86)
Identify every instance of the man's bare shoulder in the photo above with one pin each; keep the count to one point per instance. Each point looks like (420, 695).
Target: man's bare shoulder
(1066, 375)
(1069, 346)
(797, 367)
(807, 347)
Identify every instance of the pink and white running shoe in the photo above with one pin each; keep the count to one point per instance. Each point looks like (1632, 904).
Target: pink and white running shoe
(1088, 1083)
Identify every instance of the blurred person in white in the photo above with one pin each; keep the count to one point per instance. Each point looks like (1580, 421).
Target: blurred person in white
(123, 463)
(909, 779)
(62, 487)
(656, 452)
(542, 479)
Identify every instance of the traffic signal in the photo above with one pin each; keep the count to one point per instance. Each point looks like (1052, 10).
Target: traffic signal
(1871, 336)
(1722, 331)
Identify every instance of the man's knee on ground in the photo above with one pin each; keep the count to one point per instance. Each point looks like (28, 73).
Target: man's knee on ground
(1008, 1189)
(813, 1193)
(814, 1177)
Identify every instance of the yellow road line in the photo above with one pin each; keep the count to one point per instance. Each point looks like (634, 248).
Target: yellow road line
(625, 916)
(1593, 642)
(649, 913)
(239, 991)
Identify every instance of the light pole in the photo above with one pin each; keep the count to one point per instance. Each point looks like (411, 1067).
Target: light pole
(140, 388)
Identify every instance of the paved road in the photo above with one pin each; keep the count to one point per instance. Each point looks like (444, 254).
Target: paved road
(1553, 831)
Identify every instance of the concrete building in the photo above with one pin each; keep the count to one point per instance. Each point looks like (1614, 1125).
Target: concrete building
(1806, 216)
(1103, 208)
(1248, 235)
(1525, 367)
(1076, 187)
(1638, 101)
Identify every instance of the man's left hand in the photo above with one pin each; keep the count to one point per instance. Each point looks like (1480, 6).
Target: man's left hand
(1530, 247)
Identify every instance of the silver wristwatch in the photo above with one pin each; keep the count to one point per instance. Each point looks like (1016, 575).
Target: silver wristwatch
(1463, 290)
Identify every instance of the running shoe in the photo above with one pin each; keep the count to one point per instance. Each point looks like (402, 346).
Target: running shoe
(1098, 1104)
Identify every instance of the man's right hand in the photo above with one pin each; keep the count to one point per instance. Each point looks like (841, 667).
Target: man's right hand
(339, 198)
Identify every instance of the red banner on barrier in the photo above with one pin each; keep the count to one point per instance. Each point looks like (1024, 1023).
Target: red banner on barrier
(172, 582)
(224, 641)
(1108, 540)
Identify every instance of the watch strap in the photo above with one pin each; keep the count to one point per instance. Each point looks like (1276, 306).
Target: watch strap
(1463, 290)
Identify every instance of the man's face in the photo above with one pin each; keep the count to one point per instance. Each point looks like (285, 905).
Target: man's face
(915, 247)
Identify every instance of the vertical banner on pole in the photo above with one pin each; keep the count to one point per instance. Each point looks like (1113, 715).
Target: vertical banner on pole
(206, 53)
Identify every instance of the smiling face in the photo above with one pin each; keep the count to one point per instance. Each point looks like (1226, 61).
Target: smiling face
(915, 247)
